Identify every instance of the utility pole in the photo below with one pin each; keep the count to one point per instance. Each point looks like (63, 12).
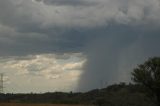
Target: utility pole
(1, 83)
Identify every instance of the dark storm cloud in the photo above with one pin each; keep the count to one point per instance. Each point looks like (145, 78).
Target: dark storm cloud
(69, 41)
(23, 33)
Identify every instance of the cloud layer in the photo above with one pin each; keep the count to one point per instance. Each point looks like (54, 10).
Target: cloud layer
(33, 26)
(64, 69)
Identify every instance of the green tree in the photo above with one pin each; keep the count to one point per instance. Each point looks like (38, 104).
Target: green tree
(148, 74)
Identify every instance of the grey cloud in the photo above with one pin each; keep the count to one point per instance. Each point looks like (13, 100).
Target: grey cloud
(29, 16)
(24, 45)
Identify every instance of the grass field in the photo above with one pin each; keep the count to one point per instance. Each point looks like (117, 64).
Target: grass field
(18, 104)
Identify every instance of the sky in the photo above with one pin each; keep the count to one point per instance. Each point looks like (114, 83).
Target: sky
(75, 45)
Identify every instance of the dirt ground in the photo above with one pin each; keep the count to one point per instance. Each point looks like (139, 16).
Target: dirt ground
(18, 104)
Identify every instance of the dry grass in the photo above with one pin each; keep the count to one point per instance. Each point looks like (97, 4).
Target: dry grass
(18, 104)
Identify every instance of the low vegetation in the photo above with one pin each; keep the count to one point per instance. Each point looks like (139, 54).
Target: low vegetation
(114, 95)
(18, 104)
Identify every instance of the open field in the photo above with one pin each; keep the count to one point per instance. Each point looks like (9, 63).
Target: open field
(18, 104)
